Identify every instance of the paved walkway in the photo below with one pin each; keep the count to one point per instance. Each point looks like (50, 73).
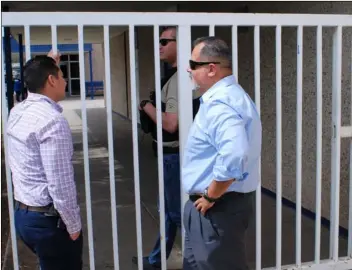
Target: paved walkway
(100, 194)
(101, 207)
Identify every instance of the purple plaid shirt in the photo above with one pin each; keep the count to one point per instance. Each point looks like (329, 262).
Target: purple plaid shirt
(40, 158)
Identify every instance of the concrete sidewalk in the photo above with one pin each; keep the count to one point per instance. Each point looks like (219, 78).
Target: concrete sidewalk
(126, 216)
(122, 130)
(100, 198)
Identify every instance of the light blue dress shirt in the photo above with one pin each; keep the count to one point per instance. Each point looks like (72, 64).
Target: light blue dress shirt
(224, 141)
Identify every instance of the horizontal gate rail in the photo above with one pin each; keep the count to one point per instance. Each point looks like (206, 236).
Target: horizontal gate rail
(167, 18)
(184, 22)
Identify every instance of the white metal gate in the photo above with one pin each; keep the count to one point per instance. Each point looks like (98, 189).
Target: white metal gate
(184, 21)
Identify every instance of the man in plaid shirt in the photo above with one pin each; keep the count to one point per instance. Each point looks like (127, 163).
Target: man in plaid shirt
(47, 216)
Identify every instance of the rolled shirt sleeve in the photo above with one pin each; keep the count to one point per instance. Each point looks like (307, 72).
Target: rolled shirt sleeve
(228, 135)
(56, 151)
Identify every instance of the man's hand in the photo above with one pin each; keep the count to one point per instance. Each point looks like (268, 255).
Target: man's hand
(142, 104)
(203, 205)
(56, 56)
(74, 236)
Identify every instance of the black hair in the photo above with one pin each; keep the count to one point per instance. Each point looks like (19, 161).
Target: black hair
(36, 72)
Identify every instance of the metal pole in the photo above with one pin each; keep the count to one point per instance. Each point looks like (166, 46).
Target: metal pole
(8, 68)
(20, 43)
(91, 75)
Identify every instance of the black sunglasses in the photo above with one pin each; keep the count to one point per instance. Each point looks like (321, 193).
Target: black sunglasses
(165, 41)
(193, 64)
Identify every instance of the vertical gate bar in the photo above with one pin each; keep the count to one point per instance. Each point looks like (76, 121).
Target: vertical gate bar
(85, 146)
(54, 38)
(278, 149)
(137, 54)
(212, 30)
(299, 146)
(319, 143)
(185, 99)
(8, 171)
(350, 207)
(350, 204)
(111, 147)
(27, 36)
(350, 193)
(134, 104)
(234, 52)
(258, 207)
(160, 146)
(336, 143)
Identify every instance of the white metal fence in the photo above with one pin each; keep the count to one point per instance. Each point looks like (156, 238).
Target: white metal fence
(184, 21)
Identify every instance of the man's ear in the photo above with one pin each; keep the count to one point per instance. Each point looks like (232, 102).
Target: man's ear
(212, 70)
(51, 80)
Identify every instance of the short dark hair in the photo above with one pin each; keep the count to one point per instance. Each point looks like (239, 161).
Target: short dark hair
(214, 49)
(169, 27)
(37, 70)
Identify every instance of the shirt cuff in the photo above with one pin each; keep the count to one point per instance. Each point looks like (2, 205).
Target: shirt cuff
(221, 173)
(74, 227)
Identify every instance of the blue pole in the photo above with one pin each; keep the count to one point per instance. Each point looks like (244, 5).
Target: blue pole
(20, 51)
(91, 75)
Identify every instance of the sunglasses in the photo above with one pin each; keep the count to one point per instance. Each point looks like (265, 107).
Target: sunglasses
(165, 41)
(193, 64)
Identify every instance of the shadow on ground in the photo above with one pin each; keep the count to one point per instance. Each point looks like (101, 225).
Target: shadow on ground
(125, 204)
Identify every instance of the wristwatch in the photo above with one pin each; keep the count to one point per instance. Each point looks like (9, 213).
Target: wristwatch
(209, 199)
(143, 103)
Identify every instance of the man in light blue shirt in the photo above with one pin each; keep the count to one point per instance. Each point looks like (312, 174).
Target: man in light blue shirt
(220, 164)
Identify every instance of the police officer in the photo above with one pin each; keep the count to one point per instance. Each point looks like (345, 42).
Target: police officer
(148, 116)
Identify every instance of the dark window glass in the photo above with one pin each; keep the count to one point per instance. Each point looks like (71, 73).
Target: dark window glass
(75, 87)
(74, 57)
(74, 70)
(64, 57)
(64, 70)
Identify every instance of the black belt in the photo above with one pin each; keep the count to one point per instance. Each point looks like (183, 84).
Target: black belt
(41, 209)
(227, 195)
(166, 149)
(48, 211)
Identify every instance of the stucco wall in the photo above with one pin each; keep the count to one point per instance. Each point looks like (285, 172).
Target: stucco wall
(118, 74)
(246, 78)
(268, 94)
(268, 99)
(98, 65)
(98, 62)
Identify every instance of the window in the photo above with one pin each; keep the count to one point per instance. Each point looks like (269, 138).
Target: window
(74, 57)
(74, 69)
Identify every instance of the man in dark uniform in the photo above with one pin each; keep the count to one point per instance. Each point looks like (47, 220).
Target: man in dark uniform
(171, 158)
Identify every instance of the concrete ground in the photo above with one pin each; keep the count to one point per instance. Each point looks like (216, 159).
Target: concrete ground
(125, 200)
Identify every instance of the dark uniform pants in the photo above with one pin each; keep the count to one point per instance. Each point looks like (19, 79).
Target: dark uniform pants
(52, 245)
(217, 240)
(172, 192)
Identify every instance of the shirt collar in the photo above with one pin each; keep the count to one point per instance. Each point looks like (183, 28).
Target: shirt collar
(39, 97)
(226, 81)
